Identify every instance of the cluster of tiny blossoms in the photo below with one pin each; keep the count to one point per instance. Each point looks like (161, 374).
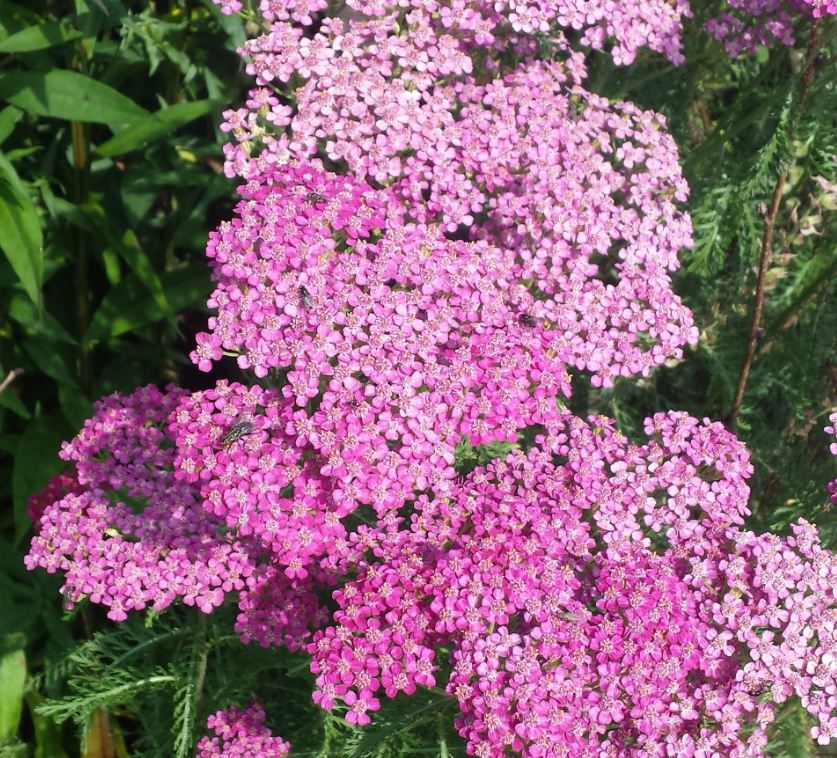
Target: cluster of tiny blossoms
(604, 602)
(241, 734)
(56, 488)
(488, 226)
(623, 26)
(752, 23)
(133, 532)
(586, 194)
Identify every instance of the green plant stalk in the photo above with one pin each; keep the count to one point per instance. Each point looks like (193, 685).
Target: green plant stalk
(767, 240)
(200, 676)
(80, 277)
(81, 191)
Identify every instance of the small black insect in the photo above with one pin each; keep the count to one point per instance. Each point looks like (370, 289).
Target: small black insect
(238, 430)
(315, 197)
(527, 320)
(305, 297)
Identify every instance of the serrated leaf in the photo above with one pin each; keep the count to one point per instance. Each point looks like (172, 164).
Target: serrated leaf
(68, 95)
(39, 37)
(155, 126)
(21, 238)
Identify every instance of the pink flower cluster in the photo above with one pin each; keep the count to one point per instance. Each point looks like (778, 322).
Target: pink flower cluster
(241, 734)
(130, 536)
(393, 341)
(133, 532)
(763, 22)
(585, 194)
(438, 222)
(621, 25)
(56, 488)
(604, 602)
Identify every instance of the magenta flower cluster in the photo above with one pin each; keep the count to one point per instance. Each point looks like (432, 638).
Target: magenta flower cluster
(134, 533)
(751, 23)
(461, 143)
(602, 602)
(241, 734)
(438, 224)
(56, 488)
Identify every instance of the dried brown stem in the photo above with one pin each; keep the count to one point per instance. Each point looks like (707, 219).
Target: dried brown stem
(767, 240)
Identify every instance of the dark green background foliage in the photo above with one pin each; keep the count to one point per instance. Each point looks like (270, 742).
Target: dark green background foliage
(110, 180)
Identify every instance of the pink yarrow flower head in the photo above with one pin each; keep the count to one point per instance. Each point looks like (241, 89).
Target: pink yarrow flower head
(434, 30)
(595, 230)
(393, 342)
(57, 487)
(752, 23)
(241, 733)
(141, 527)
(130, 536)
(594, 594)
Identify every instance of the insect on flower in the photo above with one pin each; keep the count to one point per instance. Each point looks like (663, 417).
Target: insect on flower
(527, 320)
(315, 197)
(238, 430)
(305, 297)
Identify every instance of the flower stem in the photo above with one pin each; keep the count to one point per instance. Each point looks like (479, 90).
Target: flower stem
(767, 240)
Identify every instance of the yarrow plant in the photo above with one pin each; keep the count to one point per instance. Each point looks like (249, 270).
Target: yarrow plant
(751, 23)
(241, 733)
(439, 225)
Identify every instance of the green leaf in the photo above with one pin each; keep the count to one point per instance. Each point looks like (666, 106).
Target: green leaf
(21, 238)
(9, 400)
(128, 247)
(47, 733)
(129, 305)
(18, 618)
(232, 24)
(48, 359)
(8, 119)
(155, 126)
(12, 687)
(36, 460)
(39, 37)
(68, 95)
(14, 16)
(74, 404)
(38, 324)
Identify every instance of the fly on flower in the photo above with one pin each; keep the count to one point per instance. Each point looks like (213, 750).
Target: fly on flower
(305, 297)
(238, 430)
(315, 197)
(528, 320)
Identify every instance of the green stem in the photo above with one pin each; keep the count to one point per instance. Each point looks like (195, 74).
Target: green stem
(200, 675)
(81, 191)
